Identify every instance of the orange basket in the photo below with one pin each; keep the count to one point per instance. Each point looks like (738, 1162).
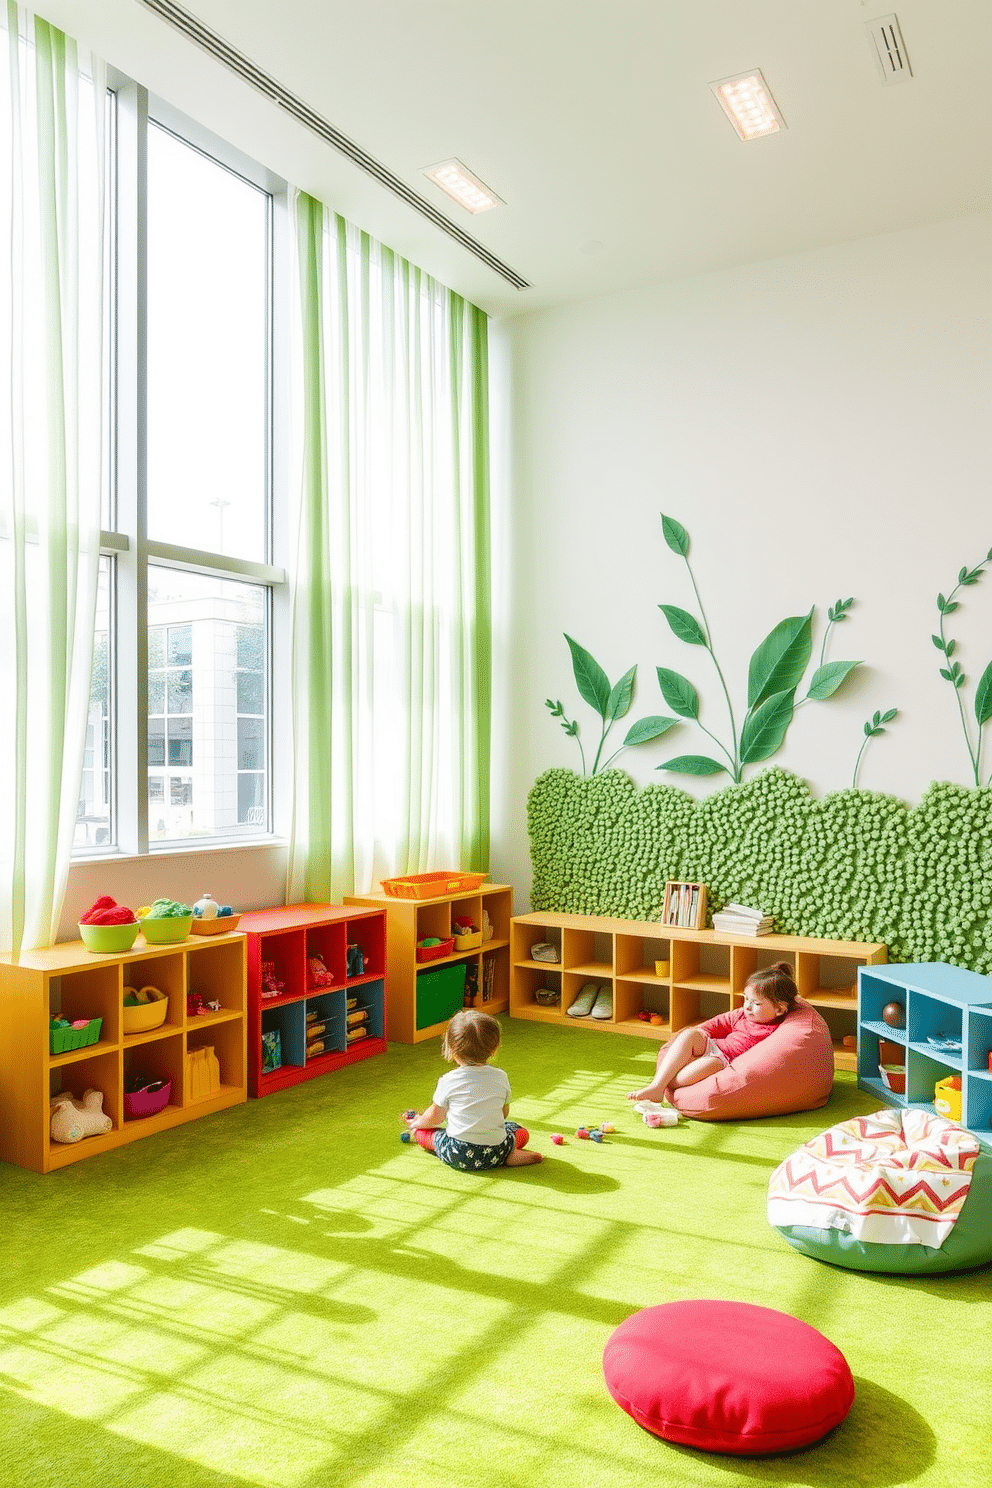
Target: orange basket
(431, 885)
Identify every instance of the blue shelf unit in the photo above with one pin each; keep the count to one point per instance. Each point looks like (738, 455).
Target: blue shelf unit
(940, 1002)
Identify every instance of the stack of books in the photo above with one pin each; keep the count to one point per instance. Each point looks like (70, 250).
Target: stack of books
(739, 919)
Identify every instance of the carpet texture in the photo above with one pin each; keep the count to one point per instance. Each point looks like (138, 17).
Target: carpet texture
(286, 1294)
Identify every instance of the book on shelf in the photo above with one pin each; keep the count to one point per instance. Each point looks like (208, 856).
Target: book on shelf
(745, 910)
(736, 921)
(685, 905)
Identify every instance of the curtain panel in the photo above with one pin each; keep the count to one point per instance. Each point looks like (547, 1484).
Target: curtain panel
(391, 631)
(52, 142)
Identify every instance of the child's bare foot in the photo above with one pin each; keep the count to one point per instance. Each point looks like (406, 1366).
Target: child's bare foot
(521, 1157)
(650, 1092)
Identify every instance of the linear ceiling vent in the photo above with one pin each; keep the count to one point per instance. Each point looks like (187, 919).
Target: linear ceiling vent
(276, 93)
(890, 49)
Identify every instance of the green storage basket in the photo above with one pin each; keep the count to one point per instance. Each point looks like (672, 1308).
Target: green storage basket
(440, 993)
(64, 1040)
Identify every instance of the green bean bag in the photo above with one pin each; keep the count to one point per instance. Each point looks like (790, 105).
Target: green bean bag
(900, 1191)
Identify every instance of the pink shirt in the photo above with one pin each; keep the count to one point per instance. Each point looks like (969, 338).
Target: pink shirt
(737, 1032)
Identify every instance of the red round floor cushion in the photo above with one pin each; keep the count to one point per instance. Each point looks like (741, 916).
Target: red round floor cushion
(727, 1377)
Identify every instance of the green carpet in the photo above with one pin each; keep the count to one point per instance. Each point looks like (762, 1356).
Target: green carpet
(285, 1294)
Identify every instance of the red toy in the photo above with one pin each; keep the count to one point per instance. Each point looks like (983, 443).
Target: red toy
(557, 1138)
(271, 985)
(106, 911)
(317, 973)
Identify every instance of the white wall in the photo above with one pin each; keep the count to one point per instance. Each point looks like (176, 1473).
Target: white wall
(246, 877)
(820, 424)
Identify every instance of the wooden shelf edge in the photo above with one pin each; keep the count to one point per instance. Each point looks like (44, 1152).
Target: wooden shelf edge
(76, 1056)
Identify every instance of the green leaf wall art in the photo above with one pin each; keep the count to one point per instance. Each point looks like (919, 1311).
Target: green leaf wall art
(610, 703)
(775, 673)
(954, 673)
(855, 865)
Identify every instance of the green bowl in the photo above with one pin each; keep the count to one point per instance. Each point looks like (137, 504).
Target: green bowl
(168, 931)
(109, 938)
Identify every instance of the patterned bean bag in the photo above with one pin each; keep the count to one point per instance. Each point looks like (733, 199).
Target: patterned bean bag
(793, 1070)
(898, 1191)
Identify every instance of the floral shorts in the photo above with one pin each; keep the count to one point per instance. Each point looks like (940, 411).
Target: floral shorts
(471, 1157)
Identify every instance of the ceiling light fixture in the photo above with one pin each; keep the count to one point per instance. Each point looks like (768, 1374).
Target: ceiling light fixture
(748, 105)
(460, 184)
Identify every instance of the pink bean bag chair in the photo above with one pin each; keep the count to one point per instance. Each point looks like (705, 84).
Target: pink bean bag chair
(791, 1071)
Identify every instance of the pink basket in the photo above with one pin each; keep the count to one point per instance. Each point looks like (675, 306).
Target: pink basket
(148, 1101)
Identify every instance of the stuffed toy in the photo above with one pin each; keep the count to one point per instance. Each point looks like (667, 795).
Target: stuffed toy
(317, 973)
(74, 1119)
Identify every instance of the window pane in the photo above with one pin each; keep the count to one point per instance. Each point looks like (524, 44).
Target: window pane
(179, 651)
(180, 696)
(207, 353)
(205, 737)
(94, 825)
(156, 692)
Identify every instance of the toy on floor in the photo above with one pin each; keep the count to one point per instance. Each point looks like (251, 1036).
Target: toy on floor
(72, 1119)
(317, 973)
(271, 985)
(558, 1139)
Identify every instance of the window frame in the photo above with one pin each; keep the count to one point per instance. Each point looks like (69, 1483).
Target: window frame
(126, 541)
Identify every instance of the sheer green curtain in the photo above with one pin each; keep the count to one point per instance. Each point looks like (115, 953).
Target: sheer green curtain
(391, 620)
(52, 126)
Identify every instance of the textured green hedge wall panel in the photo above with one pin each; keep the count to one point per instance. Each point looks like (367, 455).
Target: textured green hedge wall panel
(852, 866)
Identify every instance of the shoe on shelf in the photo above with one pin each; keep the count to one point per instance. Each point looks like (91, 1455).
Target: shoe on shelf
(582, 1006)
(603, 1006)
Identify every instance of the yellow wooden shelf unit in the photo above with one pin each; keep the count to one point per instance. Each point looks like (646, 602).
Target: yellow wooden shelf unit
(70, 980)
(412, 986)
(679, 975)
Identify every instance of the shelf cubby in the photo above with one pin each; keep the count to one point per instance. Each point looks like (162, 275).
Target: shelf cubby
(409, 921)
(71, 980)
(937, 1000)
(288, 937)
(706, 972)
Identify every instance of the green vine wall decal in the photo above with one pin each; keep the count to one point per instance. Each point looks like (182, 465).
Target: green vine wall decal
(855, 865)
(953, 672)
(776, 670)
(610, 703)
(873, 727)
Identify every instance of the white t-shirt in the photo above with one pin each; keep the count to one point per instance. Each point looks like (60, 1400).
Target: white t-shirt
(474, 1096)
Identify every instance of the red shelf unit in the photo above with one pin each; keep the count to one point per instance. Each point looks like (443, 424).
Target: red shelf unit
(287, 937)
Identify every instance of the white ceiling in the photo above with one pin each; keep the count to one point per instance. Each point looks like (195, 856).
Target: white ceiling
(592, 120)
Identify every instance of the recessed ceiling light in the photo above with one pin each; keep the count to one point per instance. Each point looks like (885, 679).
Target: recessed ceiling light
(748, 105)
(464, 188)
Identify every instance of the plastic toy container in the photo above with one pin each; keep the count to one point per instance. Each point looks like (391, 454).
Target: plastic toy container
(432, 885)
(63, 1040)
(434, 953)
(893, 1077)
(219, 925)
(470, 941)
(146, 1015)
(154, 1097)
(168, 931)
(109, 939)
(440, 994)
(947, 1099)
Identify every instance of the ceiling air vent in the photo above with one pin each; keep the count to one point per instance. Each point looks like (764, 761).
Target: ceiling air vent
(890, 49)
(188, 24)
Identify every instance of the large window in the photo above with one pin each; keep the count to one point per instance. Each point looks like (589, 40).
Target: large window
(179, 739)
